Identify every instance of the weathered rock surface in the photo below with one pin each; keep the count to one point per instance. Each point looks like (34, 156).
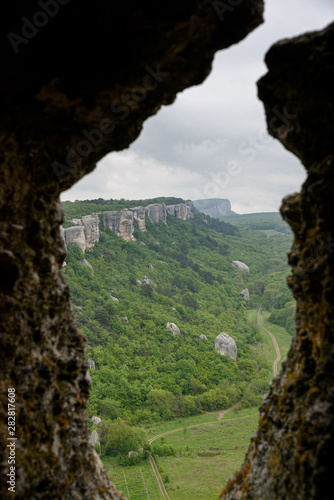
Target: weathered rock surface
(138, 282)
(215, 207)
(181, 210)
(139, 217)
(157, 212)
(125, 320)
(59, 117)
(94, 438)
(92, 232)
(225, 344)
(115, 299)
(146, 281)
(291, 456)
(245, 294)
(120, 223)
(203, 337)
(174, 328)
(91, 364)
(95, 420)
(76, 234)
(86, 232)
(241, 266)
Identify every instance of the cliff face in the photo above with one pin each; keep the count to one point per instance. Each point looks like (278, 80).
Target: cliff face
(215, 207)
(292, 454)
(86, 233)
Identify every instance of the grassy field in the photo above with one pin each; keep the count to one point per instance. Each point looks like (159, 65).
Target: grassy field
(283, 338)
(136, 482)
(208, 451)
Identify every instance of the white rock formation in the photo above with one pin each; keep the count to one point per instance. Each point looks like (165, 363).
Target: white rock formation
(139, 217)
(94, 438)
(114, 298)
(85, 262)
(76, 234)
(157, 212)
(120, 223)
(245, 294)
(241, 266)
(91, 364)
(225, 344)
(146, 281)
(174, 328)
(96, 420)
(202, 336)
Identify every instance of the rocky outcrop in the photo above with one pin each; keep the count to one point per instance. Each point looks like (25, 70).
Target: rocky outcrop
(76, 234)
(291, 456)
(95, 420)
(225, 344)
(85, 233)
(146, 281)
(94, 438)
(63, 110)
(215, 207)
(139, 217)
(120, 223)
(123, 222)
(174, 328)
(203, 337)
(245, 294)
(181, 210)
(241, 266)
(157, 212)
(115, 299)
(91, 364)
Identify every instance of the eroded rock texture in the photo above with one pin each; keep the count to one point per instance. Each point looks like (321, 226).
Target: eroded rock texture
(62, 110)
(292, 454)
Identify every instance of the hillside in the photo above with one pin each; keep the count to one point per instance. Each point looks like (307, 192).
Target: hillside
(140, 370)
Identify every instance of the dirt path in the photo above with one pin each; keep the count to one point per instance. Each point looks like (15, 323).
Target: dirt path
(278, 352)
(158, 478)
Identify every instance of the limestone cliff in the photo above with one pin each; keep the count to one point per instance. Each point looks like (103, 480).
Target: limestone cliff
(85, 233)
(215, 207)
(120, 223)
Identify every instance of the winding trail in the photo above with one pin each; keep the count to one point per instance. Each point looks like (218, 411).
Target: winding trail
(278, 352)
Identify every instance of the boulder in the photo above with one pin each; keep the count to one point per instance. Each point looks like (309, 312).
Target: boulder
(91, 364)
(174, 328)
(125, 320)
(132, 453)
(94, 438)
(85, 262)
(143, 243)
(203, 337)
(151, 267)
(225, 344)
(146, 281)
(245, 294)
(114, 298)
(241, 266)
(138, 282)
(96, 420)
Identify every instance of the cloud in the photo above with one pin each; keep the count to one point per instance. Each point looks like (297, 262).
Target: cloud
(212, 142)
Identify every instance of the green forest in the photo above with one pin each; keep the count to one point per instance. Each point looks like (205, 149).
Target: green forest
(143, 373)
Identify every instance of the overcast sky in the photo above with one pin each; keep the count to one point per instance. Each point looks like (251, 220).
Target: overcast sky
(212, 142)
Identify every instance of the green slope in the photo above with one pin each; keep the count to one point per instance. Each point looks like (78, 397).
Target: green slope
(145, 374)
